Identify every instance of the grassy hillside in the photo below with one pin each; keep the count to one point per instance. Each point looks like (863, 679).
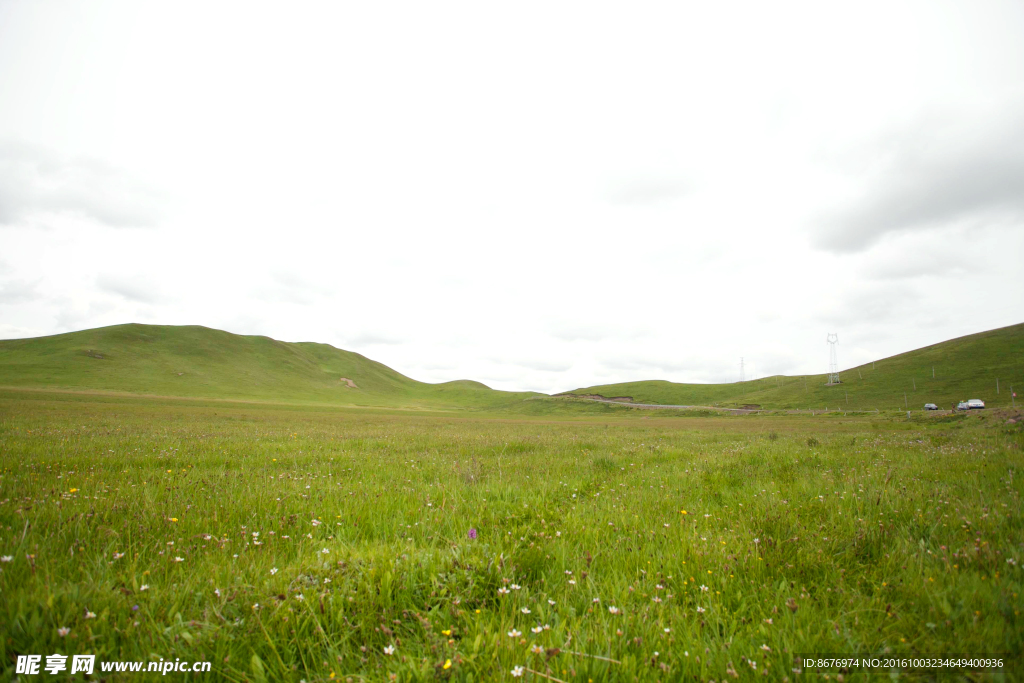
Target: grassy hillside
(202, 362)
(964, 368)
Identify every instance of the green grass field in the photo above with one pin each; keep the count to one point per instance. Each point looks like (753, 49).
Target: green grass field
(296, 542)
(185, 493)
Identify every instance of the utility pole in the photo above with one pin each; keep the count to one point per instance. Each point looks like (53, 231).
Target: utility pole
(905, 404)
(741, 368)
(915, 383)
(833, 363)
(933, 372)
(997, 385)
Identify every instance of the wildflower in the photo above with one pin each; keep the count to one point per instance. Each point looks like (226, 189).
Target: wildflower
(515, 586)
(753, 664)
(596, 600)
(144, 587)
(472, 534)
(703, 588)
(536, 629)
(447, 664)
(701, 610)
(551, 602)
(568, 572)
(547, 627)
(525, 610)
(118, 556)
(536, 649)
(216, 591)
(316, 522)
(135, 608)
(179, 559)
(517, 671)
(613, 609)
(558, 533)
(514, 633)
(668, 630)
(325, 551)
(6, 558)
(73, 490)
(389, 650)
(572, 582)
(768, 621)
(765, 648)
(447, 632)
(757, 540)
(300, 597)
(682, 512)
(309, 535)
(174, 519)
(63, 631)
(90, 615)
(656, 599)
(503, 591)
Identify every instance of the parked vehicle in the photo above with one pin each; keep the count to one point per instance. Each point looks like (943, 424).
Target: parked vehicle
(976, 403)
(962, 405)
(930, 406)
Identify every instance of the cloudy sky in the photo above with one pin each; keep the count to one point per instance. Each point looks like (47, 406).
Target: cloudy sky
(536, 195)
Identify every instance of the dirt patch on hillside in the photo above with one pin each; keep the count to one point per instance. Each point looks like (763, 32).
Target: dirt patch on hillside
(349, 382)
(599, 397)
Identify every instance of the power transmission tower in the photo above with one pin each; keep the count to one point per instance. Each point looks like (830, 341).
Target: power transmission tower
(833, 362)
(741, 368)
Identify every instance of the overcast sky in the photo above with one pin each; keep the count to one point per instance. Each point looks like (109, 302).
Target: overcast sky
(535, 195)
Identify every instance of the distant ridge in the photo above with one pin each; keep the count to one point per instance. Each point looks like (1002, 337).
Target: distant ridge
(196, 361)
(965, 367)
(200, 362)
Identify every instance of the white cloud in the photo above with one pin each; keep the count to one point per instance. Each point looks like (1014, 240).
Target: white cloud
(537, 196)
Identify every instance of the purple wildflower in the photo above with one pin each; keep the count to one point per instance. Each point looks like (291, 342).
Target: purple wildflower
(472, 534)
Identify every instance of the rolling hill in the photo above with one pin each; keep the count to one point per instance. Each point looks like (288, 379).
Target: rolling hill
(943, 373)
(200, 362)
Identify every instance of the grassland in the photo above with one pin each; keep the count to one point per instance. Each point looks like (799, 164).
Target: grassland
(294, 542)
(943, 374)
(201, 362)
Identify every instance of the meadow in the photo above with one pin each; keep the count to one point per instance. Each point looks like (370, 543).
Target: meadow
(291, 543)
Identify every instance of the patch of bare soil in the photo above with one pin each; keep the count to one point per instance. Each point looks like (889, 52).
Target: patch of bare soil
(599, 397)
(349, 382)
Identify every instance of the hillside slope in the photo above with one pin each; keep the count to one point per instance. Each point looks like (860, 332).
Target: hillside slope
(966, 367)
(198, 361)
